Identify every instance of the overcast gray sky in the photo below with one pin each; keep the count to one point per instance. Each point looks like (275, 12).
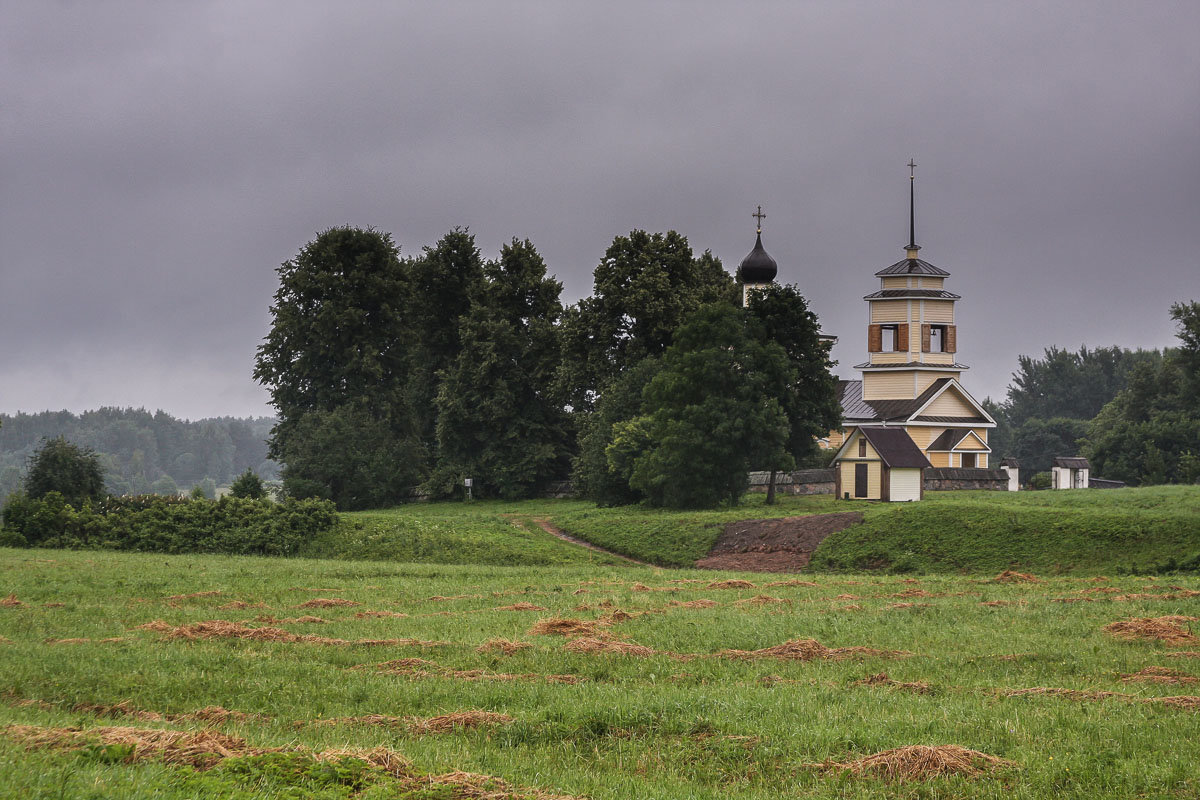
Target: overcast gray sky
(159, 160)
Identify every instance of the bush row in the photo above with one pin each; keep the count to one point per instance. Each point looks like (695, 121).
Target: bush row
(153, 523)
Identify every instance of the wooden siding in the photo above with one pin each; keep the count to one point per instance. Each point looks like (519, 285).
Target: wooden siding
(926, 282)
(894, 283)
(889, 311)
(938, 311)
(874, 483)
(949, 404)
(970, 443)
(890, 358)
(939, 358)
(896, 385)
(939, 459)
(905, 485)
(922, 435)
(926, 379)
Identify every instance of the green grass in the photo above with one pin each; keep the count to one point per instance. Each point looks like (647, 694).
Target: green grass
(655, 728)
(1085, 531)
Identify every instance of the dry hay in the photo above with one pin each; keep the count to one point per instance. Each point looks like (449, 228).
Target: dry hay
(11, 601)
(846, 597)
(327, 602)
(1101, 590)
(882, 679)
(1162, 629)
(206, 749)
(417, 668)
(561, 626)
(504, 646)
(995, 603)
(521, 607)
(67, 641)
(238, 605)
(592, 646)
(909, 605)
(617, 615)
(445, 723)
(438, 598)
(701, 603)
(1158, 675)
(366, 614)
(1011, 576)
(194, 595)
(1188, 703)
(850, 607)
(807, 650)
(920, 762)
(792, 582)
(216, 715)
(224, 629)
(1069, 694)
(733, 584)
(913, 593)
(1072, 599)
(762, 600)
(641, 587)
(1183, 654)
(5, 640)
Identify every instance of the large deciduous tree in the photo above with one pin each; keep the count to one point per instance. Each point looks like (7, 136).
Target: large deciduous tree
(644, 287)
(497, 421)
(711, 414)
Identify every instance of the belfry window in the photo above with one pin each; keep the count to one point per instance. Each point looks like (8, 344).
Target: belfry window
(890, 338)
(937, 338)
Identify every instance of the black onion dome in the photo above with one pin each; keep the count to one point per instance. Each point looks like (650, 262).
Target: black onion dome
(758, 266)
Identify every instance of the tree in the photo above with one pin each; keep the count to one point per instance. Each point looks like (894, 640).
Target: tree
(63, 467)
(496, 419)
(248, 485)
(165, 485)
(810, 398)
(644, 287)
(711, 413)
(1070, 384)
(341, 352)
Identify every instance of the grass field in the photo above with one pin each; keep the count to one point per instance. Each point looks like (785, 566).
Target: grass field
(679, 719)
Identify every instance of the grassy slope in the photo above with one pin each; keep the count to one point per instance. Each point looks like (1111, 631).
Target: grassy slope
(650, 728)
(1061, 531)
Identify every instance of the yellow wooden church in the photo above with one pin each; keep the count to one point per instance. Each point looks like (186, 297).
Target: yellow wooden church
(911, 381)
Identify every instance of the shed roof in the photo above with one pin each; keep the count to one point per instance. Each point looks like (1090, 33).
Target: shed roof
(1072, 463)
(895, 447)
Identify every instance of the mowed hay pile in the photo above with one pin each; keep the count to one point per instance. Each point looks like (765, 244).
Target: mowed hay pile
(328, 602)
(731, 585)
(562, 626)
(921, 762)
(1010, 576)
(586, 645)
(1159, 675)
(444, 723)
(10, 601)
(1162, 629)
(207, 749)
(224, 629)
(808, 650)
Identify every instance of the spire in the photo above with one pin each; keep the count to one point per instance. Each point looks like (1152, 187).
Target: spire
(912, 246)
(760, 217)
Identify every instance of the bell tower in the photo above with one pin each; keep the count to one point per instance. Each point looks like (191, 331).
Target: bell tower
(912, 338)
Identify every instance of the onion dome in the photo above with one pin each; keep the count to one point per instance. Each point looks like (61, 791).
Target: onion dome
(758, 266)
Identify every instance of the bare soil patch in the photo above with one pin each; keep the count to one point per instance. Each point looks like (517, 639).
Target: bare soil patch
(783, 544)
(920, 762)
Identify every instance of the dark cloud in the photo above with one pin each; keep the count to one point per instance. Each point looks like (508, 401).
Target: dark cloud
(160, 160)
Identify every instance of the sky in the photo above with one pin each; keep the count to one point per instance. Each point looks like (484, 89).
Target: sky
(158, 161)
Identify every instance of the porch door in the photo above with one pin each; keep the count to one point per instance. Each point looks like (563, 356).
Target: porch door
(968, 460)
(860, 480)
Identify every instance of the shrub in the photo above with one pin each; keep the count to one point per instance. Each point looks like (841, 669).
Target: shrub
(66, 468)
(249, 486)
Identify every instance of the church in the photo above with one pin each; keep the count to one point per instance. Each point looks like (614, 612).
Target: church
(909, 409)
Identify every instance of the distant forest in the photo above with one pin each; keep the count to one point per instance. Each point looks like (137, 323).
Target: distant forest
(143, 452)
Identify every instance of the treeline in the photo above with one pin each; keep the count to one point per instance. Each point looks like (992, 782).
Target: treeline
(393, 376)
(142, 452)
(1134, 414)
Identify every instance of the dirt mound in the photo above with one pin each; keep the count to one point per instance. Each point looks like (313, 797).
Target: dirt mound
(1011, 576)
(808, 650)
(919, 762)
(504, 646)
(586, 645)
(732, 584)
(11, 601)
(521, 607)
(783, 544)
(561, 626)
(1162, 629)
(882, 679)
(327, 602)
(1158, 675)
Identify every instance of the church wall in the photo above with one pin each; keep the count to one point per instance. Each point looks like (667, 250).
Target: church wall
(927, 282)
(949, 404)
(938, 358)
(895, 283)
(914, 342)
(939, 459)
(939, 311)
(926, 379)
(890, 358)
(888, 385)
(922, 435)
(970, 444)
(889, 311)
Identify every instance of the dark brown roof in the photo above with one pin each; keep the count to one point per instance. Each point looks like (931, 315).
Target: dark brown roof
(951, 420)
(948, 440)
(912, 266)
(1010, 462)
(1072, 463)
(855, 409)
(965, 474)
(910, 364)
(895, 447)
(902, 294)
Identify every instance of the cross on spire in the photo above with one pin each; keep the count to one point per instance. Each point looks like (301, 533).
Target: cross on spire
(912, 206)
(760, 217)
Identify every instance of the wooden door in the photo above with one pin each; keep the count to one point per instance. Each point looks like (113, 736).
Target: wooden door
(860, 480)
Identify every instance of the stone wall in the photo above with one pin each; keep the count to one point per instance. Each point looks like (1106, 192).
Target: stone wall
(941, 479)
(802, 481)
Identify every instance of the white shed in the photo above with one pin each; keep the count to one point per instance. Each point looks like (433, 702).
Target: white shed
(1070, 473)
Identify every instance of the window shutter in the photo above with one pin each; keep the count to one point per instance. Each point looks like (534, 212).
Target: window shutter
(874, 338)
(902, 342)
(951, 345)
(925, 343)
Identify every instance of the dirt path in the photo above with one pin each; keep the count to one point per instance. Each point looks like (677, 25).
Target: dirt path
(550, 528)
(784, 544)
